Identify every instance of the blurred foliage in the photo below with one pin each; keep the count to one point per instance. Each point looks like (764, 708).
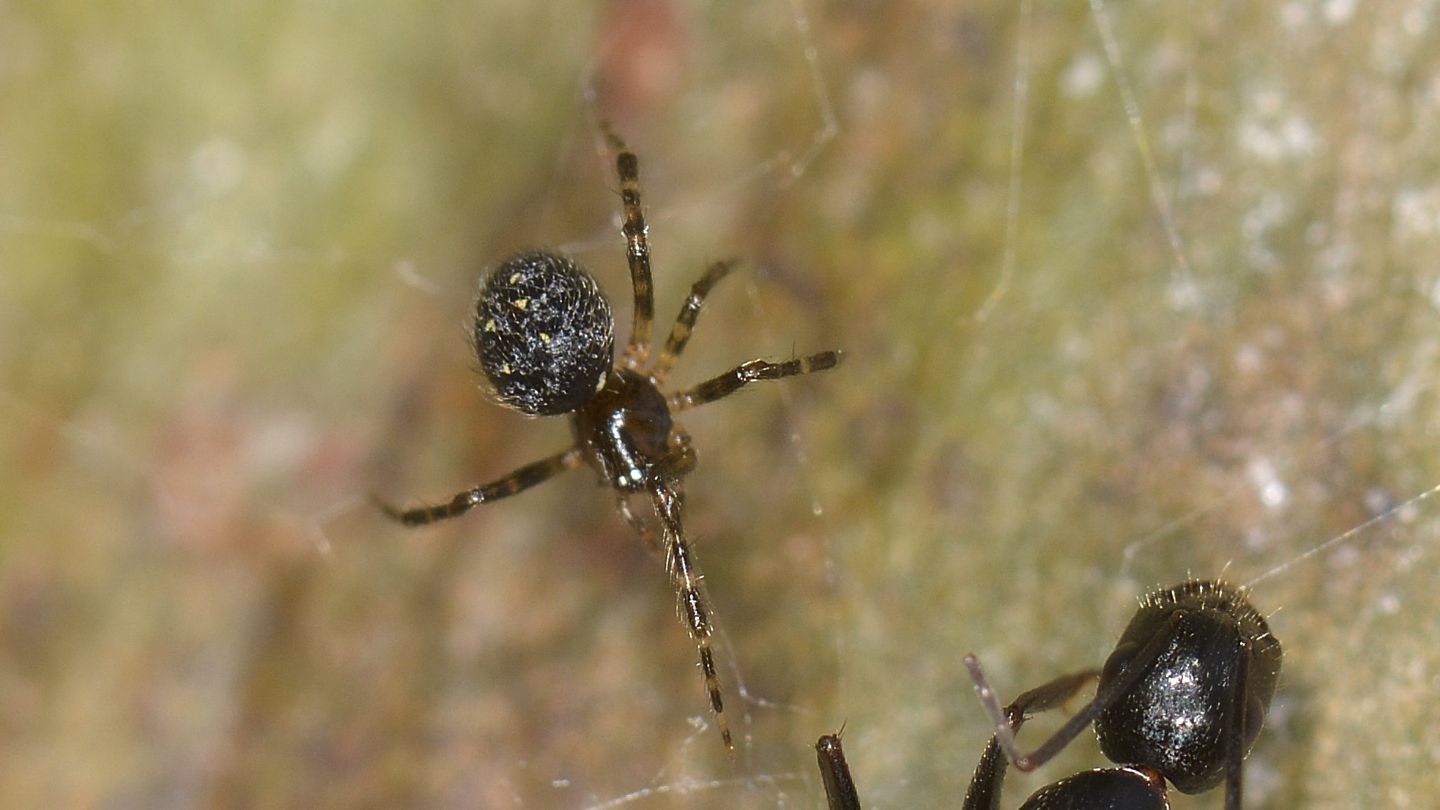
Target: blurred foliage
(237, 244)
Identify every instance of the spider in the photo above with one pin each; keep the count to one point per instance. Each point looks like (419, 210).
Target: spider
(1182, 698)
(544, 335)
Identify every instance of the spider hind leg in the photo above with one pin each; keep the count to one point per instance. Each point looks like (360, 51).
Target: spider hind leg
(518, 481)
(693, 607)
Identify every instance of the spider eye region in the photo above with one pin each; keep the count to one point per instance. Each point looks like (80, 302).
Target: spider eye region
(544, 334)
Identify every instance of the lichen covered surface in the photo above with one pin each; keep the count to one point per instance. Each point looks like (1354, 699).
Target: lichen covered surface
(1180, 321)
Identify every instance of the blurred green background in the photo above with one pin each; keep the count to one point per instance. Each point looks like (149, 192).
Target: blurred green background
(238, 244)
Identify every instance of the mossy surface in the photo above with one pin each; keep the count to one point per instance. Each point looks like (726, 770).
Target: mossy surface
(238, 245)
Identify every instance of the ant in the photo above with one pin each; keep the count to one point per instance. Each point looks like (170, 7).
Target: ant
(1182, 698)
(544, 335)
(840, 791)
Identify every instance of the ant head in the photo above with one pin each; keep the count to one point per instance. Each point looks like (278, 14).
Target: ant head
(544, 334)
(1213, 657)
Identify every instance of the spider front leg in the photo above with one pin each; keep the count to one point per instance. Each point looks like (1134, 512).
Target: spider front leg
(752, 371)
(517, 481)
(637, 250)
(690, 596)
(685, 321)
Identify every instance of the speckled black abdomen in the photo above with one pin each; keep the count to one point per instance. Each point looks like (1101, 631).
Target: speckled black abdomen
(544, 334)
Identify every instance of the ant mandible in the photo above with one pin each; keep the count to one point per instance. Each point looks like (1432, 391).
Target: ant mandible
(544, 334)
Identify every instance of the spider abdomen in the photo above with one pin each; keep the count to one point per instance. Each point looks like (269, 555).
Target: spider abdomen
(544, 334)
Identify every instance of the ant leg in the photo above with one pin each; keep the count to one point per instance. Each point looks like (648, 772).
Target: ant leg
(517, 481)
(685, 321)
(1047, 696)
(1108, 694)
(835, 773)
(690, 598)
(985, 784)
(637, 249)
(748, 372)
(1235, 734)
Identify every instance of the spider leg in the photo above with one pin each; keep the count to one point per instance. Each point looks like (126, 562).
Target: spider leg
(748, 372)
(647, 534)
(1005, 735)
(685, 321)
(690, 596)
(637, 249)
(517, 481)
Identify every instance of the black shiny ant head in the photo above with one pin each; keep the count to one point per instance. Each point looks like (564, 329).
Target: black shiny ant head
(544, 334)
(1217, 662)
(1182, 698)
